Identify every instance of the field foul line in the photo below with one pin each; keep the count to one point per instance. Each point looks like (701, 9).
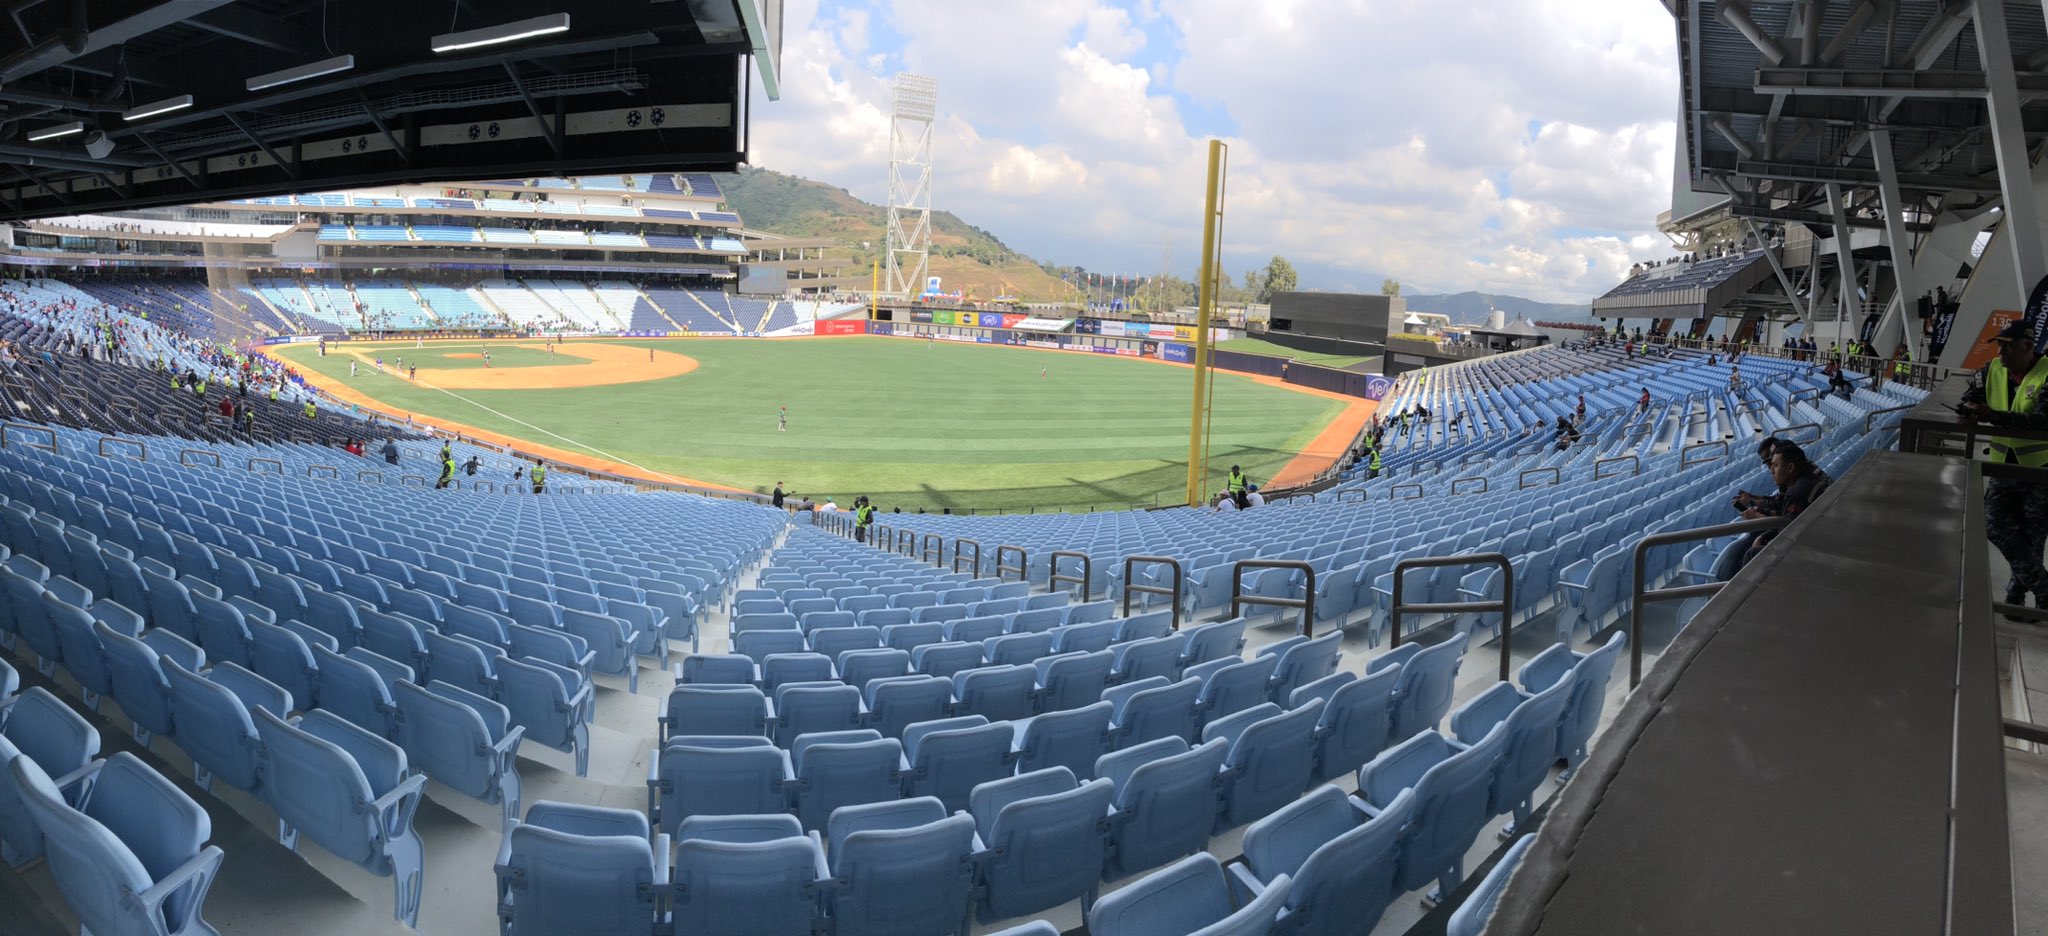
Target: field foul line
(508, 416)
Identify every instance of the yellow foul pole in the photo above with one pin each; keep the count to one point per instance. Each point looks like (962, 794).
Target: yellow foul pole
(1212, 235)
(874, 289)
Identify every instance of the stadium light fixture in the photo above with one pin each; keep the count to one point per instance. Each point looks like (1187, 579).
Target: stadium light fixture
(503, 32)
(164, 106)
(55, 130)
(339, 63)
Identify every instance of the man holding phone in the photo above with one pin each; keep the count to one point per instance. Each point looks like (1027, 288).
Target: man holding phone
(2012, 392)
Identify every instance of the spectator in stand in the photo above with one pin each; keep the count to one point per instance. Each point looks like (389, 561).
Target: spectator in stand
(472, 466)
(1579, 414)
(1800, 482)
(776, 497)
(1567, 434)
(1643, 404)
(391, 451)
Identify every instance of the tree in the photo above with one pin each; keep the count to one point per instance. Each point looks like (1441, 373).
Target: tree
(1390, 287)
(1255, 284)
(1279, 278)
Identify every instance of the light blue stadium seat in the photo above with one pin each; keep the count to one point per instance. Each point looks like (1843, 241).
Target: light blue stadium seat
(1155, 708)
(998, 693)
(552, 703)
(764, 888)
(1044, 836)
(893, 704)
(1144, 626)
(1084, 638)
(331, 614)
(1074, 739)
(353, 690)
(716, 776)
(1302, 661)
(1147, 657)
(130, 854)
(1453, 784)
(139, 686)
(844, 768)
(1529, 724)
(1040, 620)
(903, 867)
(610, 640)
(1428, 679)
(861, 604)
(1166, 794)
(83, 656)
(1214, 641)
(1471, 916)
(1589, 674)
(1072, 680)
(1053, 600)
(759, 645)
(1017, 649)
(215, 726)
(1189, 897)
(975, 629)
(837, 640)
(883, 617)
(395, 637)
(38, 726)
(781, 669)
(1355, 719)
(948, 757)
(946, 659)
(1343, 857)
(281, 655)
(715, 669)
(462, 739)
(716, 710)
(913, 636)
(805, 707)
(826, 620)
(350, 792)
(859, 667)
(580, 870)
(1272, 759)
(463, 662)
(1230, 685)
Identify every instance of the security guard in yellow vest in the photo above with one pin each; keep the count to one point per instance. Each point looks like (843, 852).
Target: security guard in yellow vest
(447, 470)
(539, 476)
(863, 515)
(2012, 392)
(1372, 467)
(1239, 487)
(312, 412)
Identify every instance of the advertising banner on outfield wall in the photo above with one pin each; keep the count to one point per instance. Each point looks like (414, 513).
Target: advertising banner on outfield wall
(991, 319)
(1087, 326)
(1377, 385)
(842, 327)
(920, 316)
(942, 317)
(1010, 319)
(1177, 353)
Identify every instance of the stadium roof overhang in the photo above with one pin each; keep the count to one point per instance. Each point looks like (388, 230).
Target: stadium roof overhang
(1781, 100)
(122, 104)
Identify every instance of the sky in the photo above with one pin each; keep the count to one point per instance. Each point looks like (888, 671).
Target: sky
(1520, 147)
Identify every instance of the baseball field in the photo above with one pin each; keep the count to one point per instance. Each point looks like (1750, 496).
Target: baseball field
(910, 424)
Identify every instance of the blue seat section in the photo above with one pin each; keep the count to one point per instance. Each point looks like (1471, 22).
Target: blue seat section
(352, 793)
(1189, 896)
(590, 870)
(1342, 855)
(42, 730)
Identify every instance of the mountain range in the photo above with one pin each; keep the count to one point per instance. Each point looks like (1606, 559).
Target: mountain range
(975, 261)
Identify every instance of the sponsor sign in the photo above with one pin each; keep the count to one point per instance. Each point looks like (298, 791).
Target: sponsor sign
(991, 319)
(942, 317)
(1983, 351)
(1010, 319)
(1178, 353)
(1034, 323)
(1042, 343)
(842, 327)
(1082, 326)
(1377, 385)
(920, 317)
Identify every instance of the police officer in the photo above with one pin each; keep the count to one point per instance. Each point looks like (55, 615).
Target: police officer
(863, 514)
(539, 476)
(1237, 485)
(2012, 392)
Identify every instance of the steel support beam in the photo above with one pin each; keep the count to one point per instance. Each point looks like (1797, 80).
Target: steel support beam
(397, 146)
(1771, 254)
(288, 166)
(1845, 259)
(1736, 14)
(174, 164)
(547, 128)
(2022, 225)
(1843, 175)
(1889, 82)
(1891, 328)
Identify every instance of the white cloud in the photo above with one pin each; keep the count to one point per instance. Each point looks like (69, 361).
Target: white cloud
(1390, 137)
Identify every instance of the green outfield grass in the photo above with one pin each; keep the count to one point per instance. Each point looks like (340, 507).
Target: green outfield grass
(460, 355)
(951, 425)
(1262, 346)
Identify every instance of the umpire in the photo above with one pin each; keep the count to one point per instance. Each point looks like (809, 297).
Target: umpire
(2009, 393)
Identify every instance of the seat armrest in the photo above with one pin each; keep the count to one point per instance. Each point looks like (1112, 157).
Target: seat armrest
(1243, 885)
(199, 870)
(396, 807)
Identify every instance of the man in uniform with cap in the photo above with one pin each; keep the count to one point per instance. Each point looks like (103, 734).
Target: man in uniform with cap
(2012, 392)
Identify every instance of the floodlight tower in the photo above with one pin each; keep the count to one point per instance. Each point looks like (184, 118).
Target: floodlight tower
(914, 106)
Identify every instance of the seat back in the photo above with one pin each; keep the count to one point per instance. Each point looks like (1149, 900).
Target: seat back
(997, 693)
(215, 728)
(950, 757)
(843, 769)
(1428, 681)
(1020, 649)
(914, 879)
(803, 708)
(54, 738)
(555, 882)
(1305, 662)
(1166, 796)
(1147, 657)
(1190, 897)
(1150, 712)
(1528, 747)
(451, 734)
(1214, 641)
(717, 669)
(1072, 738)
(698, 776)
(1344, 866)
(766, 888)
(895, 703)
(1073, 680)
(1038, 620)
(1230, 687)
(1356, 717)
(1589, 681)
(837, 640)
(1048, 847)
(1471, 916)
(354, 691)
(717, 710)
(138, 681)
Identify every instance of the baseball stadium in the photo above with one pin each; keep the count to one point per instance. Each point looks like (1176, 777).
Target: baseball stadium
(448, 488)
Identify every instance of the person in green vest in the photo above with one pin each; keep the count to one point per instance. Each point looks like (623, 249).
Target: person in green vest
(2012, 392)
(447, 469)
(312, 412)
(863, 515)
(539, 476)
(273, 393)
(1237, 485)
(200, 388)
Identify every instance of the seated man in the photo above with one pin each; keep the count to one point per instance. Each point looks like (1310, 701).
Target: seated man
(1567, 434)
(1800, 482)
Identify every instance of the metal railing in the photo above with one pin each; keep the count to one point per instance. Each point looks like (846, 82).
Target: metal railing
(1639, 595)
(960, 543)
(1599, 467)
(312, 471)
(185, 457)
(274, 463)
(905, 544)
(1023, 560)
(882, 533)
(1505, 607)
(141, 450)
(1054, 579)
(1484, 485)
(1131, 586)
(483, 487)
(932, 549)
(1307, 603)
(1556, 477)
(372, 476)
(412, 480)
(1788, 432)
(1870, 417)
(1361, 492)
(7, 431)
(1393, 493)
(1415, 467)
(1685, 459)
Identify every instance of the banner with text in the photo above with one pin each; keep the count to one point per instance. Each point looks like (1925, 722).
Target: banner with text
(842, 327)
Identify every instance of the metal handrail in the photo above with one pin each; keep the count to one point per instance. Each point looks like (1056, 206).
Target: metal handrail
(484, 486)
(1131, 586)
(1685, 459)
(1023, 559)
(1638, 595)
(1810, 393)
(961, 541)
(906, 542)
(1473, 458)
(1307, 603)
(1786, 433)
(1054, 579)
(377, 476)
(184, 459)
(1484, 485)
(1598, 473)
(1361, 492)
(253, 462)
(412, 479)
(1556, 477)
(141, 449)
(1505, 607)
(933, 548)
(881, 532)
(1396, 489)
(7, 428)
(332, 472)
(1873, 414)
(1415, 467)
